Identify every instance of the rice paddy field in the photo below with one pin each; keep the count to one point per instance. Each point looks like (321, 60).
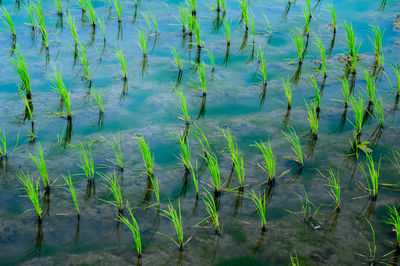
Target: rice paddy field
(199, 132)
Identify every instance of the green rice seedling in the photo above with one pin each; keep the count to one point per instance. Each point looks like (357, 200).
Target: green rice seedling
(195, 178)
(192, 6)
(371, 248)
(334, 187)
(115, 145)
(269, 163)
(205, 144)
(143, 41)
(202, 85)
(377, 43)
(3, 140)
(59, 87)
(115, 189)
(155, 188)
(45, 38)
(91, 14)
(21, 69)
(293, 139)
(313, 117)
(396, 70)
(294, 260)
(98, 96)
(354, 61)
(351, 42)
(185, 155)
(394, 220)
(28, 106)
(86, 162)
(346, 90)
(182, 106)
(322, 53)
(260, 202)
(82, 4)
(102, 27)
(213, 169)
(269, 29)
(253, 29)
(176, 218)
(317, 94)
(288, 91)
(307, 17)
(232, 145)
(71, 189)
(30, 10)
(227, 26)
(74, 32)
(134, 227)
(155, 23)
(333, 14)
(58, 5)
(262, 67)
(371, 88)
(223, 5)
(358, 109)
(239, 168)
(378, 112)
(32, 192)
(122, 62)
(371, 173)
(183, 18)
(148, 158)
(7, 20)
(38, 159)
(178, 60)
(147, 20)
(212, 59)
(118, 8)
(309, 8)
(298, 41)
(42, 25)
(197, 34)
(212, 211)
(396, 160)
(84, 61)
(244, 5)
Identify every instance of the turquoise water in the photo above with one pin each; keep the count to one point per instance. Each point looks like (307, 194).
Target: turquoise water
(234, 100)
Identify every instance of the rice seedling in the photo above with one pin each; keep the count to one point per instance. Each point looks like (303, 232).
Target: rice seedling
(269, 163)
(74, 32)
(212, 211)
(354, 61)
(122, 62)
(262, 67)
(115, 189)
(253, 29)
(192, 6)
(86, 162)
(45, 38)
(59, 87)
(322, 53)
(178, 60)
(197, 34)
(40, 163)
(317, 94)
(298, 41)
(227, 26)
(98, 96)
(155, 187)
(334, 187)
(308, 209)
(30, 10)
(185, 154)
(358, 109)
(396, 70)
(396, 160)
(84, 61)
(393, 219)
(213, 169)
(288, 92)
(115, 144)
(118, 8)
(21, 69)
(182, 106)
(176, 218)
(32, 192)
(58, 5)
(371, 88)
(313, 117)
(371, 248)
(71, 189)
(346, 90)
(232, 145)
(91, 14)
(260, 202)
(7, 20)
(307, 17)
(184, 18)
(239, 168)
(244, 5)
(294, 260)
(82, 4)
(293, 139)
(102, 27)
(333, 14)
(371, 173)
(269, 29)
(202, 85)
(134, 227)
(3, 141)
(195, 177)
(204, 143)
(155, 23)
(379, 113)
(377, 43)
(351, 42)
(212, 59)
(309, 8)
(148, 158)
(28, 106)
(143, 41)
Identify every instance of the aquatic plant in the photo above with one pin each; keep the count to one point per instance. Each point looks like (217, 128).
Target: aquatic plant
(143, 41)
(202, 85)
(244, 5)
(212, 59)
(334, 187)
(377, 43)
(102, 27)
(22, 72)
(307, 17)
(192, 6)
(213, 170)
(3, 141)
(358, 109)
(115, 189)
(185, 154)
(183, 18)
(333, 13)
(269, 163)
(212, 211)
(294, 260)
(260, 202)
(86, 161)
(371, 88)
(379, 113)
(7, 20)
(32, 192)
(122, 62)
(396, 70)
(118, 8)
(58, 5)
(195, 178)
(371, 173)
(176, 218)
(239, 168)
(317, 93)
(288, 91)
(182, 106)
(393, 219)
(262, 67)
(40, 163)
(115, 145)
(71, 189)
(45, 38)
(351, 42)
(74, 32)
(155, 23)
(322, 53)
(253, 29)
(293, 139)
(177, 59)
(91, 14)
(204, 143)
(346, 90)
(298, 42)
(269, 31)
(98, 96)
(313, 117)
(197, 34)
(30, 10)
(227, 26)
(232, 145)
(83, 58)
(134, 227)
(28, 105)
(148, 158)
(60, 88)
(371, 248)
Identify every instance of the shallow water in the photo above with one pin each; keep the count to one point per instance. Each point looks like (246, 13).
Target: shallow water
(234, 99)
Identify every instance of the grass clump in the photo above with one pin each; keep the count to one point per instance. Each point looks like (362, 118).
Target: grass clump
(371, 87)
(197, 34)
(263, 67)
(333, 14)
(269, 163)
(74, 32)
(7, 20)
(32, 192)
(85, 62)
(143, 41)
(58, 5)
(227, 26)
(21, 69)
(118, 8)
(60, 88)
(288, 92)
(202, 84)
(396, 70)
(148, 158)
(86, 162)
(98, 96)
(298, 42)
(213, 169)
(115, 189)
(334, 187)
(212, 211)
(371, 173)
(377, 35)
(313, 117)
(379, 112)
(71, 189)
(185, 155)
(176, 218)
(393, 219)
(260, 202)
(115, 144)
(294, 140)
(40, 163)
(322, 53)
(183, 106)
(346, 90)
(3, 141)
(134, 227)
(122, 62)
(178, 60)
(358, 109)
